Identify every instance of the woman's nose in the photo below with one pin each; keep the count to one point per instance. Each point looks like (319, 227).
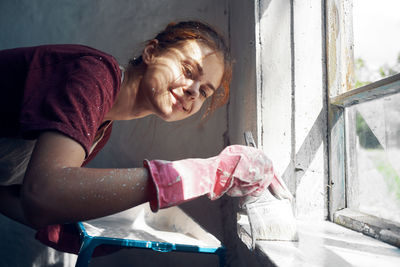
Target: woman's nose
(193, 91)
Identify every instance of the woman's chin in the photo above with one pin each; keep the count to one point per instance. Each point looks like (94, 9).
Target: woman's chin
(173, 117)
(173, 114)
(168, 115)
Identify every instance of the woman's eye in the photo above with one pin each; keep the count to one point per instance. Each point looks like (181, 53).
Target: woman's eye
(188, 72)
(203, 93)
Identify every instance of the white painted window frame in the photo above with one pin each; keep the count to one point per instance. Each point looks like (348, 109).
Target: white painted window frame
(340, 70)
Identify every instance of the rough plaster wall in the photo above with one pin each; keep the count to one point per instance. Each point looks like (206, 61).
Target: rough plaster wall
(279, 57)
(276, 83)
(294, 100)
(310, 110)
(120, 27)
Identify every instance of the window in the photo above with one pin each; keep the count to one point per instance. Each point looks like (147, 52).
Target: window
(364, 123)
(376, 48)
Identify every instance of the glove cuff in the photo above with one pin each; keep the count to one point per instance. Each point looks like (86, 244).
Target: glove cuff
(154, 201)
(168, 184)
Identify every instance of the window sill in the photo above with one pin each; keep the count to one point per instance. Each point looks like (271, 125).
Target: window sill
(375, 227)
(323, 243)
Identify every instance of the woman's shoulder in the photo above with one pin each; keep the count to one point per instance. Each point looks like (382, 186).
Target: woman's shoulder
(93, 68)
(49, 54)
(65, 52)
(71, 49)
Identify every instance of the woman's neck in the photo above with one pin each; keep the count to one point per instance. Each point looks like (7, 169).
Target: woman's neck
(128, 106)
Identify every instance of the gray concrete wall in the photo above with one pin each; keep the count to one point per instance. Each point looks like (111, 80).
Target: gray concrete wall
(243, 100)
(120, 28)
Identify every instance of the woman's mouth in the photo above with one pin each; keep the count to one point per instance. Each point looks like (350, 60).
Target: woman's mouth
(176, 100)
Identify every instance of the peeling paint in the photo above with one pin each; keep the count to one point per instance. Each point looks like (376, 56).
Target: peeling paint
(369, 225)
(340, 55)
(333, 33)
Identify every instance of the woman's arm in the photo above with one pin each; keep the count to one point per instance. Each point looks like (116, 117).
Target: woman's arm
(57, 190)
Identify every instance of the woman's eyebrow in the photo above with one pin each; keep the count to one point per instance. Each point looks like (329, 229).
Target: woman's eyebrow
(211, 86)
(201, 72)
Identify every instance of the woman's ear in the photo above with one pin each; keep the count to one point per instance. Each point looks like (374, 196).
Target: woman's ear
(149, 52)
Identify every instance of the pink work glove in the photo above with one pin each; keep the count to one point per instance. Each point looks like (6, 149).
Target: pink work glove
(239, 171)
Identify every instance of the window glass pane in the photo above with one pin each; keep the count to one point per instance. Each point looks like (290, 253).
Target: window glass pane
(376, 30)
(375, 179)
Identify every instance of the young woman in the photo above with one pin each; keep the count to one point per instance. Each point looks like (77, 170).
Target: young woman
(65, 98)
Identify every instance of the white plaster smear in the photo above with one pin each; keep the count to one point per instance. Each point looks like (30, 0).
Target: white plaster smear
(170, 225)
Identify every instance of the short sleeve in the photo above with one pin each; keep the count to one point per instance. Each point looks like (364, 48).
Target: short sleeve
(71, 96)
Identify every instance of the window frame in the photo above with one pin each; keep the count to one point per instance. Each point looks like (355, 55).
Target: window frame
(341, 95)
(340, 158)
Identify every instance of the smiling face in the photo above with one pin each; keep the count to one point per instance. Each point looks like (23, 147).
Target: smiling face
(178, 80)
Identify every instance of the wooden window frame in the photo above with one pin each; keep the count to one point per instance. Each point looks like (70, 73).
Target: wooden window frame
(341, 95)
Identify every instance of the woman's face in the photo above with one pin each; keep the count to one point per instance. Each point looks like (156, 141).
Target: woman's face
(178, 80)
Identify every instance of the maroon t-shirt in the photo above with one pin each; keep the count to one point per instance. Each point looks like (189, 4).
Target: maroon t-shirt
(66, 88)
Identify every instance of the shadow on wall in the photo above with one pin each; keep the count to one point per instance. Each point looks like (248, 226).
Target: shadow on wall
(263, 7)
(308, 149)
(314, 205)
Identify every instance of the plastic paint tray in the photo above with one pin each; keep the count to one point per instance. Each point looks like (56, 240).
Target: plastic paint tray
(167, 230)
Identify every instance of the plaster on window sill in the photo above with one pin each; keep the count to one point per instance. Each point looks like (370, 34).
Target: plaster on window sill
(323, 243)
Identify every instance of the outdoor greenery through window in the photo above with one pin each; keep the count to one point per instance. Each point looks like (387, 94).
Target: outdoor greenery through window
(376, 28)
(375, 189)
(364, 119)
(375, 170)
